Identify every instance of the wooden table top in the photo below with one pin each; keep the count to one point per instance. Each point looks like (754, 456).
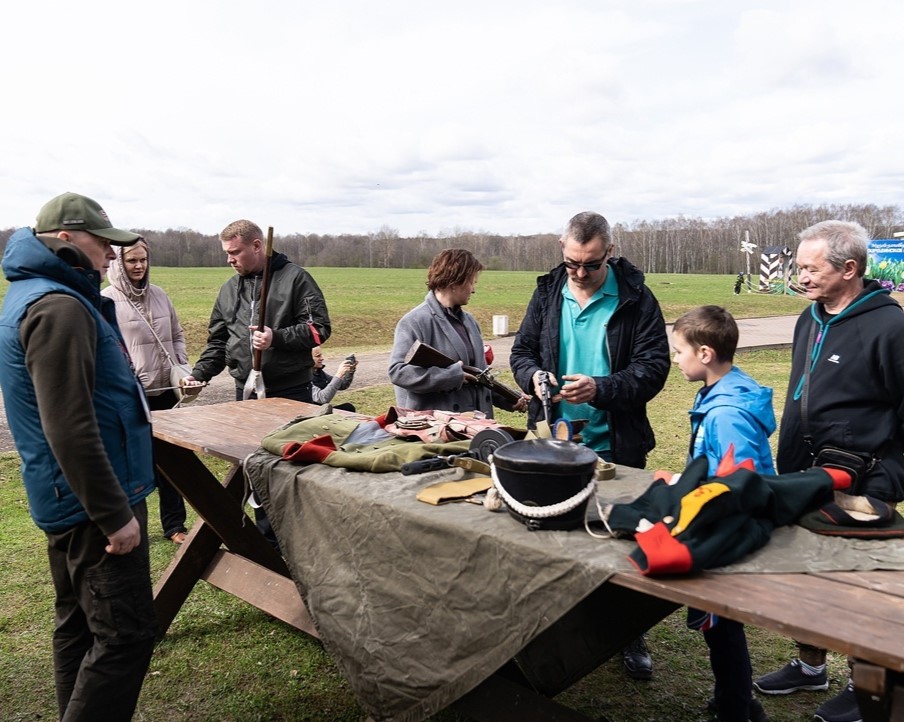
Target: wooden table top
(229, 431)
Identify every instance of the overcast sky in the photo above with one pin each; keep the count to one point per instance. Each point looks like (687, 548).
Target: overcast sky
(505, 117)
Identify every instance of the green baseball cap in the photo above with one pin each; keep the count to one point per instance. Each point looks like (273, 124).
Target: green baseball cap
(72, 212)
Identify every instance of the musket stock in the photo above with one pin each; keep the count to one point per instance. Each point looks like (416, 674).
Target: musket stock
(425, 356)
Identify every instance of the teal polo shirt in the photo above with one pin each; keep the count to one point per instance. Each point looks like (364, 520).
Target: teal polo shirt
(583, 350)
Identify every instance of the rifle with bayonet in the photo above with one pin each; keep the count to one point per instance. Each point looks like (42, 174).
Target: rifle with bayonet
(425, 356)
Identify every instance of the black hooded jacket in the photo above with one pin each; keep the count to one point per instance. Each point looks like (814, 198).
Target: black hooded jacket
(638, 355)
(296, 311)
(856, 389)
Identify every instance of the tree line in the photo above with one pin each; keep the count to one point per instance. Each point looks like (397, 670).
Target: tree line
(671, 245)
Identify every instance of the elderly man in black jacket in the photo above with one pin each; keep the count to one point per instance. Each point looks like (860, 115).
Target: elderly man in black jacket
(846, 391)
(598, 332)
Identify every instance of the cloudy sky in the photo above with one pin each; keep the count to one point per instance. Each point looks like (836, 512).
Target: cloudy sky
(505, 117)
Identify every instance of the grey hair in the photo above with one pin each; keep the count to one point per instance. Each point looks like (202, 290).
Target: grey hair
(845, 241)
(586, 226)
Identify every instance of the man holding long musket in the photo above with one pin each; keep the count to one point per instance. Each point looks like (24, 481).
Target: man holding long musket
(296, 321)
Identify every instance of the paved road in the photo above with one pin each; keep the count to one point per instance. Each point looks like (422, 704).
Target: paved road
(765, 332)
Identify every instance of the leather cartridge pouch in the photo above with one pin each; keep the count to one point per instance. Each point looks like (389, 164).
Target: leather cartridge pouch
(856, 463)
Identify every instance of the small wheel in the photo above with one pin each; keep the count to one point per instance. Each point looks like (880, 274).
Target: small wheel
(486, 441)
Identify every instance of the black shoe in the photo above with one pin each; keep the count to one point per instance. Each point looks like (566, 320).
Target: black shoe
(755, 710)
(637, 660)
(791, 678)
(842, 708)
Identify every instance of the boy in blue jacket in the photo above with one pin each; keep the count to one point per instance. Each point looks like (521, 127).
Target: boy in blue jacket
(731, 409)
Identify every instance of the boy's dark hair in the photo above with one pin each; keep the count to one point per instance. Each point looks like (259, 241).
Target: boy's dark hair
(711, 326)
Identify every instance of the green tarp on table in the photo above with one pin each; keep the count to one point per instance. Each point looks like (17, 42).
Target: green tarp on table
(418, 603)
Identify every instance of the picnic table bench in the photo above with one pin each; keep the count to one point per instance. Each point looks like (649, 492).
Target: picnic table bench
(857, 613)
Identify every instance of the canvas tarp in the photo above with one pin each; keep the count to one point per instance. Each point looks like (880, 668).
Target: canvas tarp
(419, 603)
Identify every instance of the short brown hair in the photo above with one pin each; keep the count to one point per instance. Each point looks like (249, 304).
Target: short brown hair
(711, 326)
(452, 267)
(246, 230)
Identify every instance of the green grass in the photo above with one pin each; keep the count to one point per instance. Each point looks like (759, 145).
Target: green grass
(366, 303)
(223, 660)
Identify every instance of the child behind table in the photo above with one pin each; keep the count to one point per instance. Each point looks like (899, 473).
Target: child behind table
(731, 409)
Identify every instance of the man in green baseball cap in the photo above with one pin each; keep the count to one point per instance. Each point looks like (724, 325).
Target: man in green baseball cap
(73, 212)
(82, 428)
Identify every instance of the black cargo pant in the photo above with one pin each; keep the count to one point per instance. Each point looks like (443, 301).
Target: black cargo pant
(105, 622)
(730, 662)
(172, 505)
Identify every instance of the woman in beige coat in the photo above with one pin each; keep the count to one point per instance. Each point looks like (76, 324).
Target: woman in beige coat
(149, 326)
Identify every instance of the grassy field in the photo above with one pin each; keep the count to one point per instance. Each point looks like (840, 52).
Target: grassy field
(223, 660)
(366, 303)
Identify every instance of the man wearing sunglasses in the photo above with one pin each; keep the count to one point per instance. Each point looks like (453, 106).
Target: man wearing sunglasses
(598, 331)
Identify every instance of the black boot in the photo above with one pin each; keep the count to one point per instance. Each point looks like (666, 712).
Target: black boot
(637, 660)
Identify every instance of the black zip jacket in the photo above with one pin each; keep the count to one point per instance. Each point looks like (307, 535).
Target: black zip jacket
(638, 354)
(856, 390)
(297, 313)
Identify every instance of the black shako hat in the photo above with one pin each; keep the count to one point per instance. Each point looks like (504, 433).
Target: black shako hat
(545, 483)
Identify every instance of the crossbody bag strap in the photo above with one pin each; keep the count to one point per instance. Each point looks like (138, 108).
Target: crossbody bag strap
(805, 395)
(153, 332)
(804, 398)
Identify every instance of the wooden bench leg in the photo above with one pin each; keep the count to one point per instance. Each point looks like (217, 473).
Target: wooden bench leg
(190, 563)
(880, 693)
(222, 521)
(220, 505)
(500, 700)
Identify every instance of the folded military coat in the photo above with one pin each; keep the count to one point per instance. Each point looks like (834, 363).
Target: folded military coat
(695, 522)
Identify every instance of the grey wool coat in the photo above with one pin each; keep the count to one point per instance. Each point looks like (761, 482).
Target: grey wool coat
(438, 388)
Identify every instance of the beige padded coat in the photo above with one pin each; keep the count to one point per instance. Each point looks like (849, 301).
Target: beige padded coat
(136, 306)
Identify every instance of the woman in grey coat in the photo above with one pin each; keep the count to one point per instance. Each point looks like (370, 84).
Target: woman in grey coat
(441, 322)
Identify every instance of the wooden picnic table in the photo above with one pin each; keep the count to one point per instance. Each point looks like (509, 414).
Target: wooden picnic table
(857, 613)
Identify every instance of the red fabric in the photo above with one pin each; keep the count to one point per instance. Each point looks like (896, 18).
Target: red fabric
(310, 452)
(728, 465)
(488, 354)
(314, 333)
(664, 553)
(840, 479)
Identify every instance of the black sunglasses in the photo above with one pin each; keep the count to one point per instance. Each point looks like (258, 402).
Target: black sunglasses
(589, 267)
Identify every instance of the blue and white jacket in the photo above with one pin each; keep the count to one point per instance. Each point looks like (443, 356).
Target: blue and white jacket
(735, 410)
